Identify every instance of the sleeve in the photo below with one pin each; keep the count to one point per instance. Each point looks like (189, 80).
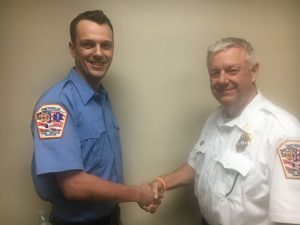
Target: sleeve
(56, 142)
(285, 184)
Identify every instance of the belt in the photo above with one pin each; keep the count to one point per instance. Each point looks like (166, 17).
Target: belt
(112, 219)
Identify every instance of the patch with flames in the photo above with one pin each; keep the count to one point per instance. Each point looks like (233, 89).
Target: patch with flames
(289, 153)
(50, 121)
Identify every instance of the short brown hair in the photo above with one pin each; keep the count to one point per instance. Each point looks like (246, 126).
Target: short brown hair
(96, 16)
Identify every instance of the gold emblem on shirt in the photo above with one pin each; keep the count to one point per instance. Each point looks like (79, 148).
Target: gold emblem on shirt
(243, 142)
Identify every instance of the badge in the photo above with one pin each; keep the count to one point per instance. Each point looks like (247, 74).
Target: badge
(289, 154)
(243, 142)
(50, 121)
(202, 142)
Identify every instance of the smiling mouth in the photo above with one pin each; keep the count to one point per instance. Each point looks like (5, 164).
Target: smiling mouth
(98, 64)
(223, 90)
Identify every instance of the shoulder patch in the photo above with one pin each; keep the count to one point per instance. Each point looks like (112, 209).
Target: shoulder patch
(289, 154)
(50, 121)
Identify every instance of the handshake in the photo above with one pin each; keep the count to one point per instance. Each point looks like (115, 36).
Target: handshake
(150, 194)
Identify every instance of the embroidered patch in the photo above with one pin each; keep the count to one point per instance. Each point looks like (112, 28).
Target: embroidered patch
(289, 154)
(50, 121)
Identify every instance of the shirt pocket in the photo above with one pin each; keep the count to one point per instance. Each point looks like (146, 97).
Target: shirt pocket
(92, 140)
(235, 161)
(232, 165)
(91, 129)
(200, 152)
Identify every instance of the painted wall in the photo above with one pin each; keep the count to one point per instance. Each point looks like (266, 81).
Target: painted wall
(158, 84)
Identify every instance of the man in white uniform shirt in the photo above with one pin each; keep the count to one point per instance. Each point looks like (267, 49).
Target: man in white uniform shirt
(246, 164)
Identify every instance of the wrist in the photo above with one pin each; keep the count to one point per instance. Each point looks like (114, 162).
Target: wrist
(162, 182)
(136, 193)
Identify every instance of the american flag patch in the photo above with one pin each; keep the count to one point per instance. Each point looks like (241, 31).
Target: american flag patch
(50, 121)
(289, 153)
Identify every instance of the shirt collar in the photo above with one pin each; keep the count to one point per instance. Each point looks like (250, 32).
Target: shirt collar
(245, 118)
(85, 90)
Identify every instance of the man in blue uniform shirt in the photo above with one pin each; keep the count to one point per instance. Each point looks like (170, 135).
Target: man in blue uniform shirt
(77, 161)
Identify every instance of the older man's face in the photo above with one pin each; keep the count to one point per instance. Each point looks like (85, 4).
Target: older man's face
(232, 79)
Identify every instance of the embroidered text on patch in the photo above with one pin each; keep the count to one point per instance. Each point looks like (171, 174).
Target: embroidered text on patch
(289, 153)
(50, 121)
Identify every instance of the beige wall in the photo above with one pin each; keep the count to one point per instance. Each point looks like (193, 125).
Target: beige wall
(158, 83)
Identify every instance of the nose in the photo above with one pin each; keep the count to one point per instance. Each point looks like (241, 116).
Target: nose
(98, 50)
(223, 79)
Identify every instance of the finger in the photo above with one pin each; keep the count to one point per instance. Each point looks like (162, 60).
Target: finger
(151, 208)
(160, 194)
(148, 208)
(155, 189)
(157, 202)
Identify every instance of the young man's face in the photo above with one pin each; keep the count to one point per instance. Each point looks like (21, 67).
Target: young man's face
(232, 79)
(92, 50)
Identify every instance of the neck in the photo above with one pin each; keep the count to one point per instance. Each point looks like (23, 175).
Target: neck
(94, 83)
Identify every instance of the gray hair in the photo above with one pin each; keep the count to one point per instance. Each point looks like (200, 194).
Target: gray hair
(231, 42)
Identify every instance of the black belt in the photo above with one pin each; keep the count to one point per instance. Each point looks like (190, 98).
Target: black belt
(112, 219)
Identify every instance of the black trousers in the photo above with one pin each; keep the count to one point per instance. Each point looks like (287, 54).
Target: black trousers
(112, 219)
(204, 222)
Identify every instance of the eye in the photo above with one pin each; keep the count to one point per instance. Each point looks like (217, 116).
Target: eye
(87, 44)
(233, 71)
(107, 45)
(214, 73)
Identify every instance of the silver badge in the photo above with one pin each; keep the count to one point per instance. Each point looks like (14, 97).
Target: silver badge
(243, 142)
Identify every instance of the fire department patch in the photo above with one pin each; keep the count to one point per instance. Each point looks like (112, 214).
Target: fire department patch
(289, 154)
(50, 121)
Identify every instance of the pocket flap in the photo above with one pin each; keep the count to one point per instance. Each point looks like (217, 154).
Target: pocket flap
(91, 130)
(236, 161)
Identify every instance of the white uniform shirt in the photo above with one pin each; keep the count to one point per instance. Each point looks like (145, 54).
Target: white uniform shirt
(247, 185)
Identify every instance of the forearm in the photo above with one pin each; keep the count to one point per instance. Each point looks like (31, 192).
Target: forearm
(78, 185)
(181, 176)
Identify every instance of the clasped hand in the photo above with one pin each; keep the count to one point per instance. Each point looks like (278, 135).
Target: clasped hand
(155, 192)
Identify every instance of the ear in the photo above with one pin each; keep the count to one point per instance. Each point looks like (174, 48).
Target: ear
(254, 71)
(72, 49)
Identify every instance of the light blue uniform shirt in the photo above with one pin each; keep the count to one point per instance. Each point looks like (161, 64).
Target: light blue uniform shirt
(90, 142)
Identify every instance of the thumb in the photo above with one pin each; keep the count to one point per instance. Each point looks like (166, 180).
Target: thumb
(156, 189)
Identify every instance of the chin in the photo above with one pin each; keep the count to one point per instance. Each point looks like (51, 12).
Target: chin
(97, 74)
(226, 101)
